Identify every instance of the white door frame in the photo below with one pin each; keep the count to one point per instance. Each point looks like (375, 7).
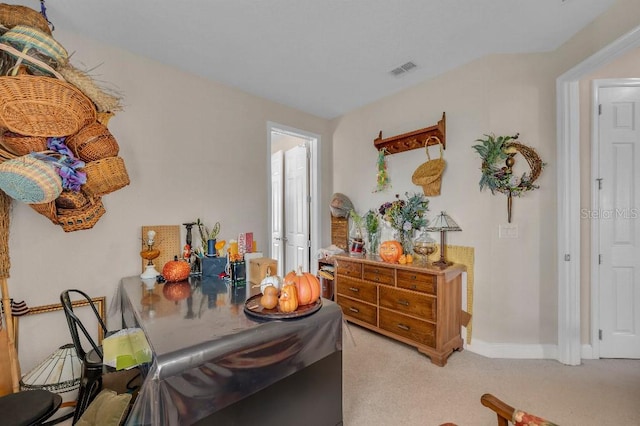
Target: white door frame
(596, 85)
(315, 179)
(568, 197)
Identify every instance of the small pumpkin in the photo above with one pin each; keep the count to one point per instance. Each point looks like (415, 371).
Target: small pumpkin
(288, 301)
(176, 270)
(268, 280)
(269, 299)
(307, 285)
(390, 251)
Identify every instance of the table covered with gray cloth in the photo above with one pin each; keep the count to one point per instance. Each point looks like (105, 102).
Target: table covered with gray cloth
(209, 355)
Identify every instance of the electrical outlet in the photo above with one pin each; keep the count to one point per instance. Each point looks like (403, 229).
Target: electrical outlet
(508, 231)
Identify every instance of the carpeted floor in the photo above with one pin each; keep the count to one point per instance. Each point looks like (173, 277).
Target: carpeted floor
(388, 383)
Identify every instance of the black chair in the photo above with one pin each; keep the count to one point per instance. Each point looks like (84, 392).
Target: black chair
(91, 357)
(28, 408)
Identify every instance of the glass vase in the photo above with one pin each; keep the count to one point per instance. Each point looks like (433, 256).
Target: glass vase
(405, 238)
(373, 242)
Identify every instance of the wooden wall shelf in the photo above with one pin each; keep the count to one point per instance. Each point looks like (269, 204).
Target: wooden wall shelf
(413, 140)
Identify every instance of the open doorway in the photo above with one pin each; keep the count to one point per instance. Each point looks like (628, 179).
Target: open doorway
(293, 197)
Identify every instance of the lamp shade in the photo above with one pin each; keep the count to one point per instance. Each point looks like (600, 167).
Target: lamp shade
(58, 373)
(443, 222)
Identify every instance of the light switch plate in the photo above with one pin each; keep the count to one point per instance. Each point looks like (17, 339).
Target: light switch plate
(508, 231)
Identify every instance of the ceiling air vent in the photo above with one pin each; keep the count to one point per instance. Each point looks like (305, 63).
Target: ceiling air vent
(404, 68)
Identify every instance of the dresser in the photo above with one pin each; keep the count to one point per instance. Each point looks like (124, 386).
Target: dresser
(415, 304)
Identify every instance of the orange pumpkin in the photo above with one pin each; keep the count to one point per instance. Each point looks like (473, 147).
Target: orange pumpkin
(288, 301)
(390, 251)
(307, 285)
(176, 270)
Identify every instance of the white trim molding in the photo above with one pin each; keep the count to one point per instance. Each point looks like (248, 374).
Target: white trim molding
(513, 350)
(568, 150)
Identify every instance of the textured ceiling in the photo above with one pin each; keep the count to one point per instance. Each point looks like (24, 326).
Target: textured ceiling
(325, 57)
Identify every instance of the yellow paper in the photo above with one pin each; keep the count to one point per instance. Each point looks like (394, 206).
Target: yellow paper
(126, 349)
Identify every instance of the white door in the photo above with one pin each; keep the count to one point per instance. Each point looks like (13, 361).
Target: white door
(277, 205)
(619, 221)
(296, 211)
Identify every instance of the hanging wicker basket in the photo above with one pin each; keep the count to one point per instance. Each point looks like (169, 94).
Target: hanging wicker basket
(105, 176)
(43, 106)
(429, 174)
(30, 180)
(21, 144)
(32, 43)
(93, 142)
(12, 15)
(82, 218)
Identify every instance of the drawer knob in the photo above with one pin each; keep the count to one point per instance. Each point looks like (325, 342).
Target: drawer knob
(403, 302)
(413, 286)
(404, 327)
(354, 289)
(414, 277)
(352, 309)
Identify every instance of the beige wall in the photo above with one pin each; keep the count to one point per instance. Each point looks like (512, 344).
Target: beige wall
(515, 299)
(627, 66)
(193, 148)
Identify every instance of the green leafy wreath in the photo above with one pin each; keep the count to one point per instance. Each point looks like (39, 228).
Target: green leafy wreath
(497, 161)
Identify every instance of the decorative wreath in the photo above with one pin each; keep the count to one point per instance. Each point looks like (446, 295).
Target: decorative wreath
(497, 155)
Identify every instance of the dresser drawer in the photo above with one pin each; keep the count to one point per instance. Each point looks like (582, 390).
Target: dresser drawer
(411, 328)
(357, 289)
(378, 274)
(352, 269)
(410, 303)
(358, 310)
(417, 281)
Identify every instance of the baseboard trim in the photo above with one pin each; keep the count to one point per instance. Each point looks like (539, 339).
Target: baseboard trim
(587, 352)
(513, 350)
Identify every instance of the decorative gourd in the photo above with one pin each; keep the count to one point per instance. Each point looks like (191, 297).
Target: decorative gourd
(288, 301)
(269, 299)
(268, 280)
(177, 290)
(307, 284)
(390, 251)
(176, 270)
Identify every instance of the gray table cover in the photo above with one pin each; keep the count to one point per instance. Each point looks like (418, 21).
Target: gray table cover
(207, 354)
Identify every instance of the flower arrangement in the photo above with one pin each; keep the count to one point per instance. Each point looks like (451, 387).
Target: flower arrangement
(405, 216)
(372, 224)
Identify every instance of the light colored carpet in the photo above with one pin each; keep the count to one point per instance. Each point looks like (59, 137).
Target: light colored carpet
(388, 383)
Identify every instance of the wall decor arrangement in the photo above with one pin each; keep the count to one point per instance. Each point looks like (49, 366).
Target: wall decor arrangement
(56, 152)
(498, 159)
(428, 175)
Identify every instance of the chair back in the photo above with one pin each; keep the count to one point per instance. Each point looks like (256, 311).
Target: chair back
(75, 324)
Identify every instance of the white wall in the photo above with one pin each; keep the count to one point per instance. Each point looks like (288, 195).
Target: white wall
(193, 148)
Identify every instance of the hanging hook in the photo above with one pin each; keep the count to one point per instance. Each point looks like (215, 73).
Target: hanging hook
(43, 11)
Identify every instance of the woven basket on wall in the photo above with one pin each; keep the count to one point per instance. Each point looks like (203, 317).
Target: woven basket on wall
(105, 176)
(21, 144)
(30, 180)
(33, 43)
(71, 200)
(12, 15)
(43, 106)
(82, 218)
(429, 174)
(93, 142)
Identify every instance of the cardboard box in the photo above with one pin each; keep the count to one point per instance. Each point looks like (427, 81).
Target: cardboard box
(258, 268)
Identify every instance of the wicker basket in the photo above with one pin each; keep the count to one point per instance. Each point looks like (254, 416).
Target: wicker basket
(429, 174)
(34, 43)
(82, 218)
(30, 180)
(93, 142)
(71, 200)
(12, 15)
(105, 176)
(23, 145)
(43, 106)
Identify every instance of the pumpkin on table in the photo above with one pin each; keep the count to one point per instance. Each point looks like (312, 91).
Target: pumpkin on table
(268, 280)
(176, 270)
(307, 285)
(390, 251)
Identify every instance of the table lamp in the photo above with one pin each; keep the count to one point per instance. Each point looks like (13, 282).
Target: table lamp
(443, 223)
(149, 254)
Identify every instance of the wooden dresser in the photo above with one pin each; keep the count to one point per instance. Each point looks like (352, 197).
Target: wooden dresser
(415, 304)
